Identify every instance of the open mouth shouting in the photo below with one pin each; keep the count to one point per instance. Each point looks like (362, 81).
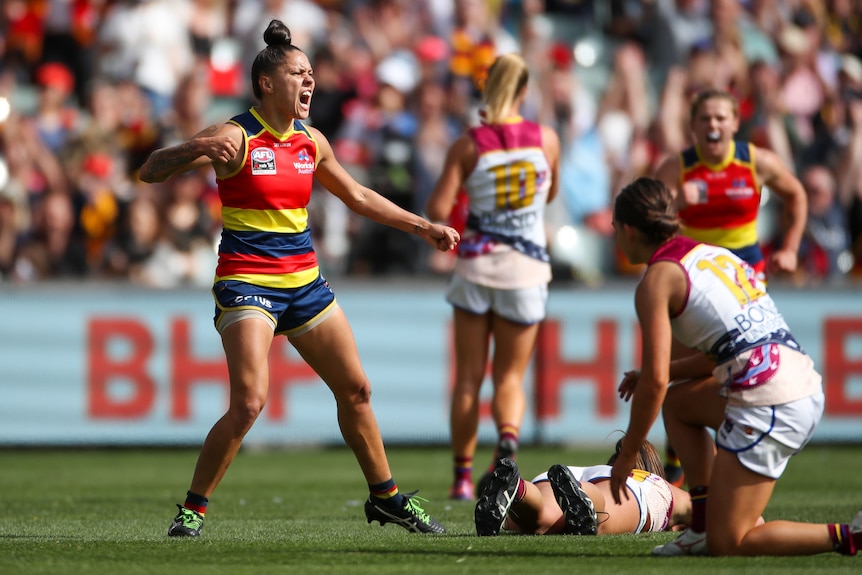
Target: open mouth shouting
(305, 100)
(713, 136)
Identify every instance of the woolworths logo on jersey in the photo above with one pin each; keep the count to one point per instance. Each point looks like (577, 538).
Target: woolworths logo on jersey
(304, 165)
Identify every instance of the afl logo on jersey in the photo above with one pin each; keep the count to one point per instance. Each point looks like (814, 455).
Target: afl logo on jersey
(702, 191)
(262, 161)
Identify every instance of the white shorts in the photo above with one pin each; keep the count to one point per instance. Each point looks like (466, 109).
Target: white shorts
(524, 305)
(765, 438)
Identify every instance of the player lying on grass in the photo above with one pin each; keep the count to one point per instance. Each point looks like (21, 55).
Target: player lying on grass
(577, 500)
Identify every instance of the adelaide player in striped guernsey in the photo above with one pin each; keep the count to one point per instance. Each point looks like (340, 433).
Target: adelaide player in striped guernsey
(717, 184)
(268, 281)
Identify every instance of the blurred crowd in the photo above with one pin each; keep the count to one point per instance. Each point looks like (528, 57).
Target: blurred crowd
(88, 88)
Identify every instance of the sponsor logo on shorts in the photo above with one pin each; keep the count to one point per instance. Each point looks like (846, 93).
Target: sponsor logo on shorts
(253, 299)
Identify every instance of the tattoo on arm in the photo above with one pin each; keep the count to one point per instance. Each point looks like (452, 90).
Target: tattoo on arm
(166, 162)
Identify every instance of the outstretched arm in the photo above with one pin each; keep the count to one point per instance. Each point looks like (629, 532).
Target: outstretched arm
(213, 145)
(366, 202)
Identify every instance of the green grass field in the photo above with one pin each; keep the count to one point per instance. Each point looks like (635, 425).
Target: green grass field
(300, 511)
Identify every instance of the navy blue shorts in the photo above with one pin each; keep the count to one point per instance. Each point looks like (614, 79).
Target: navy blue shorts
(292, 311)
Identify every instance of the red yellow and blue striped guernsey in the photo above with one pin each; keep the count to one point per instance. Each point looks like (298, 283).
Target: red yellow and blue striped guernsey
(730, 199)
(266, 239)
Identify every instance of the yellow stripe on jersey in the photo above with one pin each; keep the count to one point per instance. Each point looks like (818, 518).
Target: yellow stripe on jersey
(731, 238)
(282, 221)
(277, 281)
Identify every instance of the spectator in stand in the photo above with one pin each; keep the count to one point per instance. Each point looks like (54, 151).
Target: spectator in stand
(192, 100)
(768, 15)
(101, 122)
(129, 252)
(14, 216)
(603, 147)
(846, 121)
(388, 26)
(189, 234)
(826, 231)
(802, 90)
(23, 32)
(332, 93)
(305, 17)
(843, 26)
(208, 26)
(855, 230)
(477, 38)
(8, 234)
(763, 120)
(165, 238)
(584, 171)
(669, 30)
(437, 129)
(140, 131)
(623, 117)
(823, 251)
(54, 250)
(840, 129)
(390, 139)
(733, 24)
(148, 43)
(116, 54)
(33, 168)
(95, 197)
(70, 29)
(56, 117)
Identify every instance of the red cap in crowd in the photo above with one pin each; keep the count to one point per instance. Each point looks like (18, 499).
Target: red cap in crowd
(55, 75)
